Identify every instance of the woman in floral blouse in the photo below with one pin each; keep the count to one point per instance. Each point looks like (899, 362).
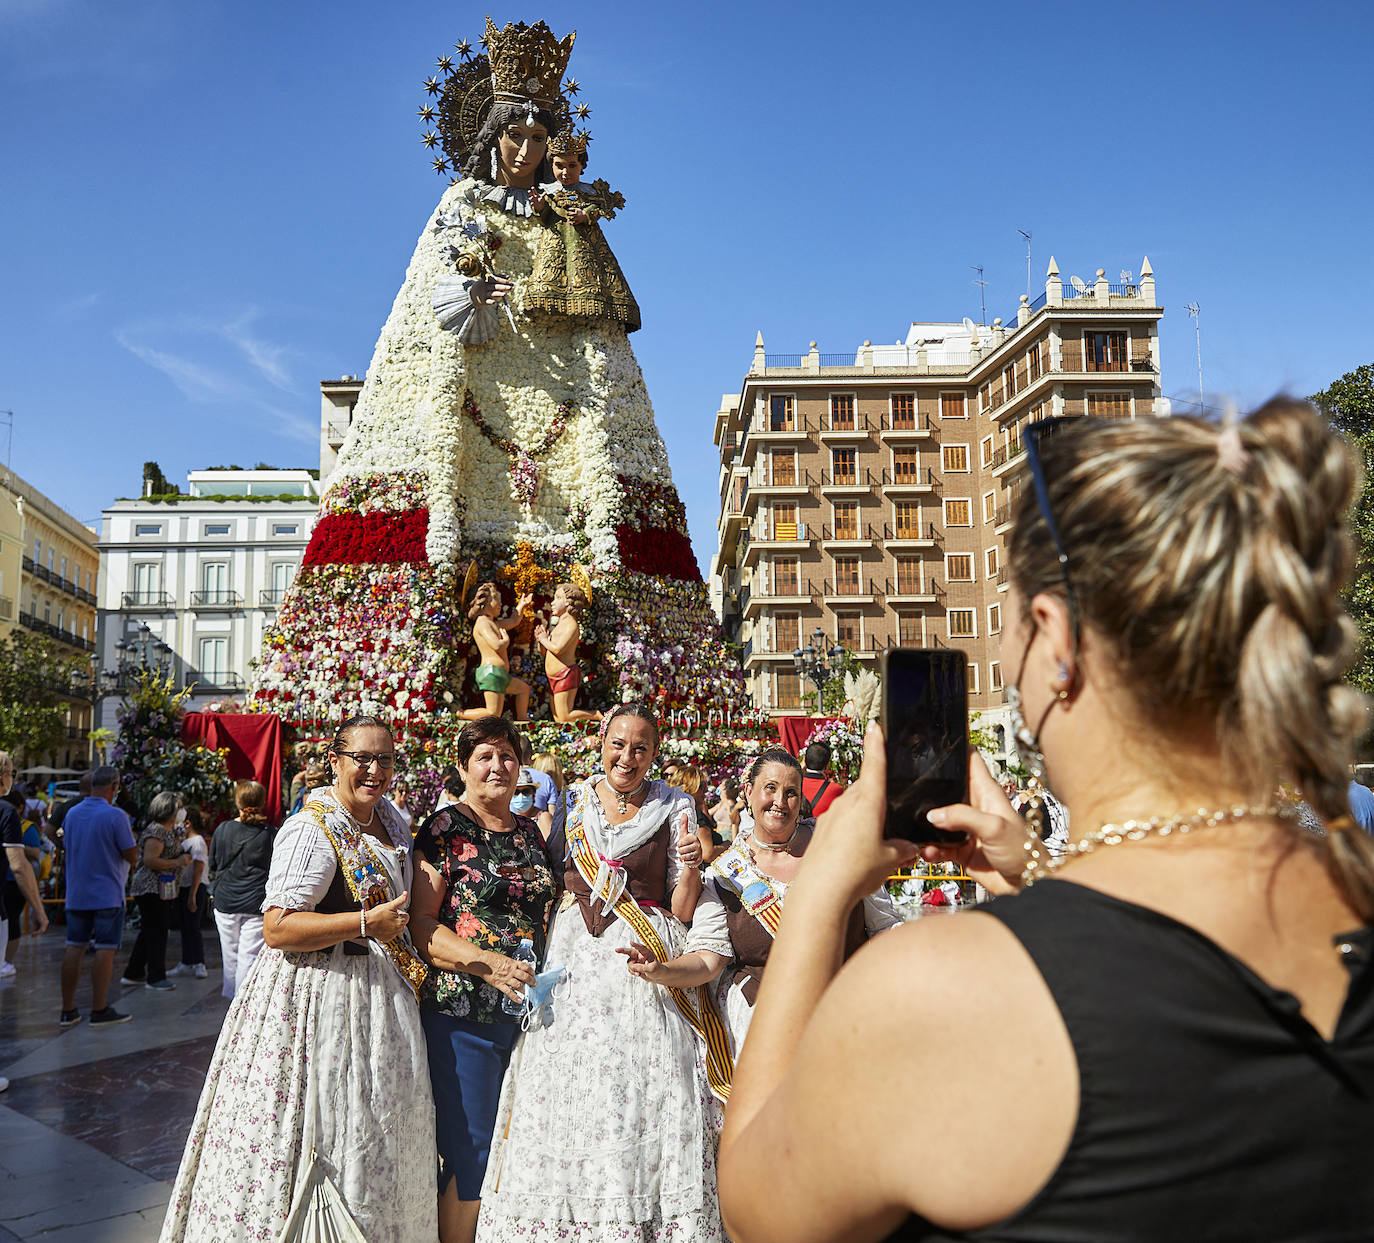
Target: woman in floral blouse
(482, 885)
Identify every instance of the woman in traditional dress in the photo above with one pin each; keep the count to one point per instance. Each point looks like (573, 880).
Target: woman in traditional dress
(482, 886)
(603, 1130)
(320, 1069)
(742, 900)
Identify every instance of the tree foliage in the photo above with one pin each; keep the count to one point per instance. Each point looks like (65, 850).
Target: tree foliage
(33, 709)
(1348, 403)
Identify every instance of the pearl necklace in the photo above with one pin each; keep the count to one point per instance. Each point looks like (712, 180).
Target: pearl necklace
(357, 824)
(775, 847)
(1040, 864)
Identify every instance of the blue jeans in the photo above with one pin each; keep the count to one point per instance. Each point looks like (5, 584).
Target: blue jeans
(104, 928)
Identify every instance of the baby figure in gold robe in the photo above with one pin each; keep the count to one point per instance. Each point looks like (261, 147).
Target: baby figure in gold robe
(575, 272)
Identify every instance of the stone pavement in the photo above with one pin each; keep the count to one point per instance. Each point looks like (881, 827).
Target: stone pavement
(94, 1122)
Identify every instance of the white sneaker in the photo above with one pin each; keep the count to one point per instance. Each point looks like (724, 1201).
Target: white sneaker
(180, 969)
(7, 969)
(199, 971)
(4, 1083)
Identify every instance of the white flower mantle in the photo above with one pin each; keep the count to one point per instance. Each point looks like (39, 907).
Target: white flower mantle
(409, 415)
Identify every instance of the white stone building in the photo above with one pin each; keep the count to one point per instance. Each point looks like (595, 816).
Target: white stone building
(205, 572)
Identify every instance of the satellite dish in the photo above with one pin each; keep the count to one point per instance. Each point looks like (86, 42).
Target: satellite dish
(969, 325)
(1078, 285)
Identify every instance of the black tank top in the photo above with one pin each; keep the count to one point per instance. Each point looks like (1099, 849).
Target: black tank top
(1210, 1108)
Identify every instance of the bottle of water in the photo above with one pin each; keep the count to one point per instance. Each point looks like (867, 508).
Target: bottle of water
(524, 954)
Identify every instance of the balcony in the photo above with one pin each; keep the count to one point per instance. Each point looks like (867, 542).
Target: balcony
(271, 597)
(146, 601)
(56, 633)
(769, 429)
(217, 680)
(913, 591)
(900, 483)
(779, 483)
(858, 533)
(913, 427)
(860, 427)
(210, 601)
(74, 733)
(789, 595)
(843, 482)
(913, 535)
(860, 591)
(1006, 457)
(6, 609)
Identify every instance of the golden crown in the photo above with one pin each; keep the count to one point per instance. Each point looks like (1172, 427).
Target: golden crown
(527, 62)
(569, 142)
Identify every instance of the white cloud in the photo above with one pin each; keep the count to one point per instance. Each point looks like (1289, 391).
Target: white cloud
(196, 381)
(222, 362)
(264, 356)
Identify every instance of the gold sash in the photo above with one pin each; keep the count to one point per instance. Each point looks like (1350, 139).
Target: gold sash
(756, 894)
(370, 886)
(699, 1011)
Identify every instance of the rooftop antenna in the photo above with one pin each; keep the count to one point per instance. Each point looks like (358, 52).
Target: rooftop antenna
(1127, 276)
(1026, 234)
(982, 290)
(1195, 311)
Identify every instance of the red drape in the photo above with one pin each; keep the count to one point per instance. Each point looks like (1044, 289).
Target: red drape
(254, 742)
(795, 730)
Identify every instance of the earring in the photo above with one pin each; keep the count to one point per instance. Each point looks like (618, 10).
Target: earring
(493, 164)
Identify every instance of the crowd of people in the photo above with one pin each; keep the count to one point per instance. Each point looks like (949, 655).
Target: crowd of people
(624, 1006)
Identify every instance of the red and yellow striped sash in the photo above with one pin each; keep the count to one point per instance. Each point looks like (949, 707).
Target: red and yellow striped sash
(697, 1006)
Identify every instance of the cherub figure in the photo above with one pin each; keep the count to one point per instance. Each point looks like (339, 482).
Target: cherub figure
(575, 272)
(491, 632)
(569, 605)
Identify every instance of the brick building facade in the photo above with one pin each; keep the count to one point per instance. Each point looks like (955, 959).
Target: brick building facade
(867, 494)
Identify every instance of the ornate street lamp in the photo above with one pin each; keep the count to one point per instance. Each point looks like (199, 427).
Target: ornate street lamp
(144, 653)
(820, 660)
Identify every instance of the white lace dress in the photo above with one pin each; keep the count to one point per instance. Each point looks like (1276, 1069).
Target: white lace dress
(319, 1049)
(603, 1131)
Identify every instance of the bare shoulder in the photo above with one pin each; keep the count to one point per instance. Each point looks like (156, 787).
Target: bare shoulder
(952, 1009)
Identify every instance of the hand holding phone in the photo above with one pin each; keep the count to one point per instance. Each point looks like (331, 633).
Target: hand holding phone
(925, 728)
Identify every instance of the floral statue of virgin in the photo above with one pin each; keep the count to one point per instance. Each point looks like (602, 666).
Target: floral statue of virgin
(496, 427)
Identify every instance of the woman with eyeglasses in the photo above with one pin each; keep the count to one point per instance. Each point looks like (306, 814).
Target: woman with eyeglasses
(603, 1131)
(320, 1070)
(482, 886)
(1167, 1030)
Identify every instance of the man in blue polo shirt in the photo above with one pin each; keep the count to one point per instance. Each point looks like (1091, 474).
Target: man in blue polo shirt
(100, 849)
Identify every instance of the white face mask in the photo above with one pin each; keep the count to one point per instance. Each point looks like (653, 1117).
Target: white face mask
(521, 804)
(181, 817)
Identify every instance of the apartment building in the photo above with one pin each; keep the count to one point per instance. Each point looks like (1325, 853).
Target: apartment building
(866, 494)
(53, 596)
(337, 400)
(59, 569)
(205, 571)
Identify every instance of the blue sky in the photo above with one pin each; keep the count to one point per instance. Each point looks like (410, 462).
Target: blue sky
(209, 207)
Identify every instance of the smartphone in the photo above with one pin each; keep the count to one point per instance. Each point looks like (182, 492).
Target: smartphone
(925, 725)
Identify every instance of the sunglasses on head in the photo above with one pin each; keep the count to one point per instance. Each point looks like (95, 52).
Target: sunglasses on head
(1031, 437)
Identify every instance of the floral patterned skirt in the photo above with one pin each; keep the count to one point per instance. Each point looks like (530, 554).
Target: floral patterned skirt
(321, 1050)
(604, 1131)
